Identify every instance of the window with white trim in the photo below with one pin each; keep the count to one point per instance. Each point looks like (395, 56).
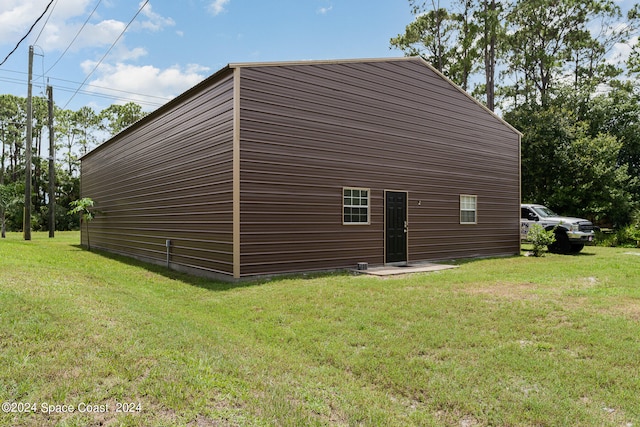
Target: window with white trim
(468, 209)
(355, 205)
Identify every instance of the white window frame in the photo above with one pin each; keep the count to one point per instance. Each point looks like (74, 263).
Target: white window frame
(466, 207)
(359, 205)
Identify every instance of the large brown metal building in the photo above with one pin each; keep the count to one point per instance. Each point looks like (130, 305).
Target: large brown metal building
(300, 166)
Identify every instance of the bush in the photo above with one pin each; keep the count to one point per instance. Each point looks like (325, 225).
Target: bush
(540, 238)
(628, 236)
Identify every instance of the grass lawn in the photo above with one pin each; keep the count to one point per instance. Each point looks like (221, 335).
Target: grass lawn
(516, 341)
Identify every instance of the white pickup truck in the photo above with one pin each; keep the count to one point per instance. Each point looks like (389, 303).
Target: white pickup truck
(571, 233)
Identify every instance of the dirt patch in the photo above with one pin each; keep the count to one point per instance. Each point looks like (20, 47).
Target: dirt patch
(629, 308)
(453, 419)
(617, 306)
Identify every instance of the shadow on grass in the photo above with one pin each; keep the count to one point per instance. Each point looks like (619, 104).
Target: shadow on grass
(529, 249)
(205, 282)
(524, 253)
(579, 254)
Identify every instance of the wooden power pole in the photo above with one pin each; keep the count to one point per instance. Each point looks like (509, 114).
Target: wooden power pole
(27, 187)
(52, 169)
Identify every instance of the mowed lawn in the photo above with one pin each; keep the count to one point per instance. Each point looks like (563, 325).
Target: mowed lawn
(88, 338)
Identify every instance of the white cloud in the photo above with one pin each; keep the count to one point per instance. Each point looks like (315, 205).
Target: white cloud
(125, 54)
(154, 22)
(13, 18)
(17, 16)
(57, 37)
(621, 51)
(325, 10)
(217, 6)
(147, 79)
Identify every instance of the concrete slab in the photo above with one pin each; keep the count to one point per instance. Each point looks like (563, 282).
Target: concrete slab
(390, 270)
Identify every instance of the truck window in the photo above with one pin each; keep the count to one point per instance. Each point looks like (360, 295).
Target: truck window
(544, 211)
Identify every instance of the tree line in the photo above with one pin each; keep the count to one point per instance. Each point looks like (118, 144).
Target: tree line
(555, 70)
(75, 133)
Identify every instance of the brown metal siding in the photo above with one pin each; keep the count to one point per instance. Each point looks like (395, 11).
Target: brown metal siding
(306, 131)
(169, 177)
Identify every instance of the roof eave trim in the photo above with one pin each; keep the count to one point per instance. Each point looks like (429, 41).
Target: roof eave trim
(317, 62)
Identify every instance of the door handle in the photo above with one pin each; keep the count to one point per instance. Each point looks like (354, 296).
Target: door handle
(405, 227)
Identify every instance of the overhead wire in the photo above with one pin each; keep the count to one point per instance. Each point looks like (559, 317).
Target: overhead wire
(37, 76)
(160, 100)
(108, 51)
(46, 22)
(76, 36)
(106, 96)
(103, 96)
(28, 32)
(121, 95)
(66, 89)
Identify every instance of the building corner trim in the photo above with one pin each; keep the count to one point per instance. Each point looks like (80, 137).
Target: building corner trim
(236, 173)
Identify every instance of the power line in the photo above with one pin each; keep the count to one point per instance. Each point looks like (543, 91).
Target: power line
(131, 95)
(106, 96)
(119, 95)
(127, 96)
(160, 98)
(76, 36)
(45, 22)
(109, 50)
(26, 35)
(9, 80)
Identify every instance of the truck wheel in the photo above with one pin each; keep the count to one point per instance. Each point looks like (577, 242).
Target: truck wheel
(561, 245)
(576, 247)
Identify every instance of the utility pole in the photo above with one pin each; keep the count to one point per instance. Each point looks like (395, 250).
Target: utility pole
(2, 225)
(3, 155)
(52, 170)
(27, 187)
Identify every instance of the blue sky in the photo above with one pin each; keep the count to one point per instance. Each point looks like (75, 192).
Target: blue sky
(172, 45)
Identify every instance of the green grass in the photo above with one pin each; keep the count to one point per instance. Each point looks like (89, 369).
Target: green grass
(515, 341)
